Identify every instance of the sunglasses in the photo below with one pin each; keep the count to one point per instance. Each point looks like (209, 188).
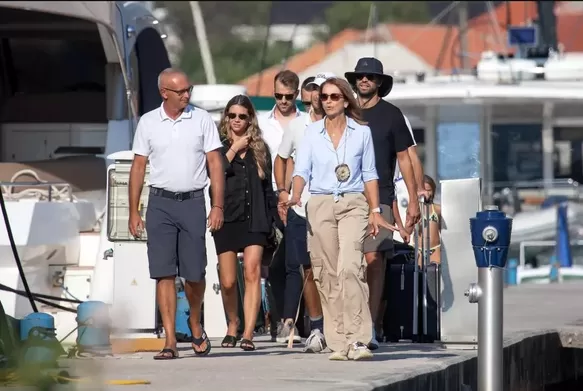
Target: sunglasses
(180, 92)
(308, 103)
(242, 117)
(281, 96)
(369, 76)
(333, 97)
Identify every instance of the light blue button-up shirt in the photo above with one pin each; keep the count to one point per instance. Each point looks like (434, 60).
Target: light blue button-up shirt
(316, 159)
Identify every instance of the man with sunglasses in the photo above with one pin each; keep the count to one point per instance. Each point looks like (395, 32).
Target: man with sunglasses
(306, 93)
(273, 124)
(296, 231)
(178, 140)
(392, 139)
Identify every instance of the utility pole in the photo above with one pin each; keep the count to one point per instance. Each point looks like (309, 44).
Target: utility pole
(463, 26)
(205, 52)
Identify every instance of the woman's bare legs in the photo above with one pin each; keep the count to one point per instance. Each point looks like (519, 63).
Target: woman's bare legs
(252, 272)
(228, 277)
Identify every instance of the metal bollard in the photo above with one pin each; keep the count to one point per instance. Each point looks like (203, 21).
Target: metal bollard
(490, 231)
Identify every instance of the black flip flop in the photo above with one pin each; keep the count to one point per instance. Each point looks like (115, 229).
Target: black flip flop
(229, 341)
(166, 354)
(199, 341)
(247, 345)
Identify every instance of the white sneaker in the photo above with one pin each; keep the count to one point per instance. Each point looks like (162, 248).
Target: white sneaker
(339, 356)
(285, 331)
(315, 343)
(359, 351)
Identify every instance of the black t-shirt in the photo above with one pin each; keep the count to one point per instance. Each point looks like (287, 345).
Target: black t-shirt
(390, 135)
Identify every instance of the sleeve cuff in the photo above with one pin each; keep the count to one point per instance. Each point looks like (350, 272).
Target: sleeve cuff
(369, 177)
(214, 147)
(140, 152)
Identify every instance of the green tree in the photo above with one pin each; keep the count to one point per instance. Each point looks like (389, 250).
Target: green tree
(352, 14)
(233, 58)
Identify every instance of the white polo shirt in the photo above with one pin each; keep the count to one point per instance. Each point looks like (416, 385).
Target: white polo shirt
(177, 149)
(292, 138)
(272, 133)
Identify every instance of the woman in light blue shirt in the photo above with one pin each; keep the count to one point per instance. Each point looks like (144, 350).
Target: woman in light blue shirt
(336, 158)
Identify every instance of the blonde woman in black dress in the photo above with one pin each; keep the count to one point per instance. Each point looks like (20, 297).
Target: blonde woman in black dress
(250, 206)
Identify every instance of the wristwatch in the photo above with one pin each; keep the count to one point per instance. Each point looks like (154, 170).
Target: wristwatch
(376, 210)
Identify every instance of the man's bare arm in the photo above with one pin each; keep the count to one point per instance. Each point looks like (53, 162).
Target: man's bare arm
(417, 166)
(217, 175)
(137, 174)
(406, 167)
(289, 170)
(279, 171)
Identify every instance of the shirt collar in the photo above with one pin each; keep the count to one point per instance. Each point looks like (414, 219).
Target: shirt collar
(350, 124)
(187, 113)
(272, 112)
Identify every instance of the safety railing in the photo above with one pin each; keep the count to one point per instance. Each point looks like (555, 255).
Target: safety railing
(540, 243)
(49, 191)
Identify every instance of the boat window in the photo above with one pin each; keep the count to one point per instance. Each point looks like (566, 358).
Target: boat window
(517, 155)
(57, 65)
(61, 76)
(152, 59)
(568, 153)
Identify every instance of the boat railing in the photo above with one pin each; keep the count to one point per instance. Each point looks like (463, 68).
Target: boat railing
(540, 243)
(534, 193)
(49, 191)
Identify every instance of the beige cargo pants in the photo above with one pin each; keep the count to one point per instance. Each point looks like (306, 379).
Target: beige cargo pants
(336, 232)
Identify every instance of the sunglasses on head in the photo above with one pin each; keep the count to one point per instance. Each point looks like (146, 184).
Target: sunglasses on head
(369, 76)
(242, 117)
(333, 97)
(311, 87)
(279, 96)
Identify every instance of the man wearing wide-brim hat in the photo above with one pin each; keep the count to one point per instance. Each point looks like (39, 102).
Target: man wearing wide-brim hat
(392, 139)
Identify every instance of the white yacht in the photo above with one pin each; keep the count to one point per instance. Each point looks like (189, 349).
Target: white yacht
(516, 123)
(74, 78)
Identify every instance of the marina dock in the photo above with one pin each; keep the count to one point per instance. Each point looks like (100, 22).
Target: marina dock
(543, 327)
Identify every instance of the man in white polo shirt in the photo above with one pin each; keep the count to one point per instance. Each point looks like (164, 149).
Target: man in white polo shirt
(178, 140)
(297, 255)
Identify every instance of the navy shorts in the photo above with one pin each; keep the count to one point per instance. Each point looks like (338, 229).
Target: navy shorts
(296, 240)
(177, 237)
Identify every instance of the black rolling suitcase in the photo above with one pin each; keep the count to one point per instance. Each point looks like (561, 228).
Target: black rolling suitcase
(412, 292)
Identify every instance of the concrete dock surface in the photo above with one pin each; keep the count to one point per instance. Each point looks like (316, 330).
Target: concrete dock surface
(535, 317)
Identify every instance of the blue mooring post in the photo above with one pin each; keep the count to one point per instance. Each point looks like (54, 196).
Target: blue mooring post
(40, 345)
(93, 327)
(512, 272)
(490, 231)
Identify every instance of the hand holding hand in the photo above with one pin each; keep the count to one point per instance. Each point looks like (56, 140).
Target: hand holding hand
(295, 200)
(375, 221)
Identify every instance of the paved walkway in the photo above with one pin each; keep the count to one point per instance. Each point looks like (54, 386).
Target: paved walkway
(529, 310)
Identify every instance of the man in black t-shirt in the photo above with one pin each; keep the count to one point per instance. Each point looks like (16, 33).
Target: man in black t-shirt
(392, 139)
